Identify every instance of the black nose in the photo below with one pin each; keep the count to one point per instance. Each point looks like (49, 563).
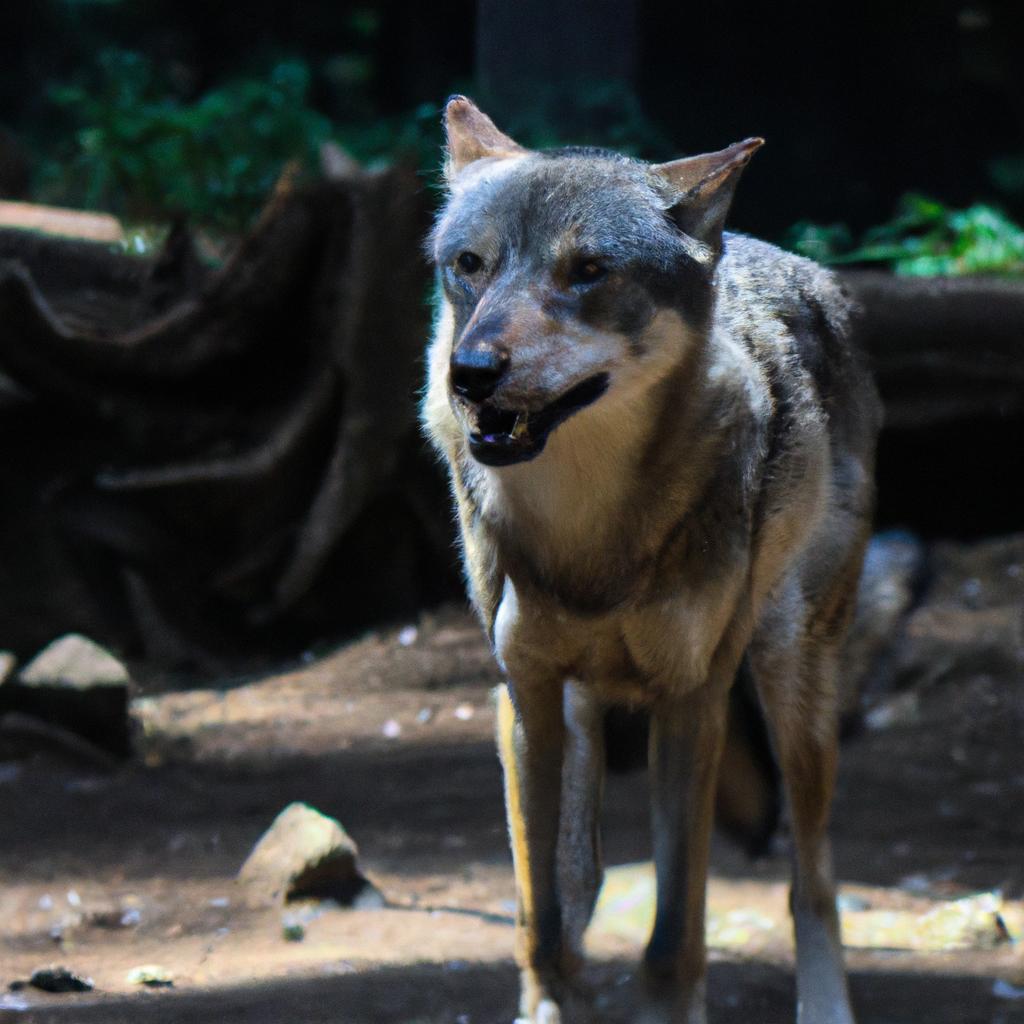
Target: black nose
(476, 369)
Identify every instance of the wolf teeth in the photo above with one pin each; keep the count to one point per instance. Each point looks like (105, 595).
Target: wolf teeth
(520, 430)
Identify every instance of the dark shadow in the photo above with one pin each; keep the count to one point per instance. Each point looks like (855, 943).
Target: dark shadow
(484, 994)
(915, 469)
(205, 818)
(904, 807)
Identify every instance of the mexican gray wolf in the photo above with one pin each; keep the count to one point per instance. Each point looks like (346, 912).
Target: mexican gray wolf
(661, 444)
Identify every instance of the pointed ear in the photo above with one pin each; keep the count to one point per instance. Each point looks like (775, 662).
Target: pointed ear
(704, 187)
(472, 136)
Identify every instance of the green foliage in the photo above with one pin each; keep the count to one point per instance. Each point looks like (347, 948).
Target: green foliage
(825, 243)
(924, 238)
(414, 137)
(143, 152)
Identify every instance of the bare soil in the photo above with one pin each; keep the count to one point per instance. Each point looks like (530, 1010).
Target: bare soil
(106, 870)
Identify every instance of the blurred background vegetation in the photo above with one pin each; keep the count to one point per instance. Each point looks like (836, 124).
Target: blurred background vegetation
(209, 485)
(896, 132)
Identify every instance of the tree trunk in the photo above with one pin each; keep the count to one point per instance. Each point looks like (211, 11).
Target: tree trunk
(209, 463)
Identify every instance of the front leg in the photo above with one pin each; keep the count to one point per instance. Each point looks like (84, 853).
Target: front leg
(531, 741)
(687, 737)
(579, 842)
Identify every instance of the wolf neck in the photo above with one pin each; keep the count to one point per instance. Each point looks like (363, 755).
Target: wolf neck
(568, 500)
(585, 516)
(595, 510)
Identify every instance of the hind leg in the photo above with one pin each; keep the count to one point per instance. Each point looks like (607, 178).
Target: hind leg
(795, 666)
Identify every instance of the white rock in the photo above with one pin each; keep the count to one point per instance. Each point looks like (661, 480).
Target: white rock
(304, 854)
(74, 661)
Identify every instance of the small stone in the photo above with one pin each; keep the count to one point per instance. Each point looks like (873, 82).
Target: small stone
(76, 685)
(59, 979)
(369, 898)
(917, 883)
(464, 712)
(391, 729)
(407, 637)
(849, 903)
(150, 975)
(974, 922)
(1002, 989)
(424, 715)
(303, 855)
(902, 709)
(74, 661)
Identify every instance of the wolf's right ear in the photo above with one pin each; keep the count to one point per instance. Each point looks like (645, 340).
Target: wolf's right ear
(472, 136)
(704, 186)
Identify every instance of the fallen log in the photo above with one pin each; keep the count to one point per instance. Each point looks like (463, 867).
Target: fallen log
(943, 349)
(948, 354)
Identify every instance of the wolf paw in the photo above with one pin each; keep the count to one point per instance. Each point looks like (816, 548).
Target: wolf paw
(838, 1013)
(547, 1012)
(674, 1009)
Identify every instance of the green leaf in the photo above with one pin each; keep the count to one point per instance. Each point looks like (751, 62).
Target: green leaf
(925, 237)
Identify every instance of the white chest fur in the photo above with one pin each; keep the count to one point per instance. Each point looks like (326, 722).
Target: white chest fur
(564, 504)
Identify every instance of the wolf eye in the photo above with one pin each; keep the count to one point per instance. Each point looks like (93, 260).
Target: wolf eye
(587, 272)
(469, 262)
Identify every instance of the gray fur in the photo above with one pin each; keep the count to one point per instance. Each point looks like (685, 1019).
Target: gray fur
(712, 504)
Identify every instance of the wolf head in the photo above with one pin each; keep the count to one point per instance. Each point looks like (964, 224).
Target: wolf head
(567, 276)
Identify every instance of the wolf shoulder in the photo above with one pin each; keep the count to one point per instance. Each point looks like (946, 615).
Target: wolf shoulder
(797, 320)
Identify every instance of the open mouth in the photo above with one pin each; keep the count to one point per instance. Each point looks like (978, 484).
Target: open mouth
(506, 436)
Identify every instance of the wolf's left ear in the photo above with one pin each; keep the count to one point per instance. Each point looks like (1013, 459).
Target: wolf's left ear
(472, 136)
(704, 187)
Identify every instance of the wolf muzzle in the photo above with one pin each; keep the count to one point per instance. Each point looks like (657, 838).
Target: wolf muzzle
(503, 437)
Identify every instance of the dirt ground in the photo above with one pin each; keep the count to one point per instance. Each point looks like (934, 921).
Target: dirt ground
(105, 870)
